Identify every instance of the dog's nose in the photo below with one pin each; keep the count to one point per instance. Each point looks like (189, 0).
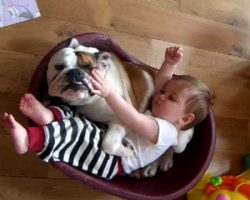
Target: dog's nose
(76, 75)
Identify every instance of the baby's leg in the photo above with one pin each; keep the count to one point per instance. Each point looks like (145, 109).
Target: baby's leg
(17, 132)
(36, 111)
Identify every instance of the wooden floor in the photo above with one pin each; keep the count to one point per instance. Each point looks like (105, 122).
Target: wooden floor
(215, 35)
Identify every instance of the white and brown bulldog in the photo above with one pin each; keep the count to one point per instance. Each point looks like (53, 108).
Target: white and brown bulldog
(68, 78)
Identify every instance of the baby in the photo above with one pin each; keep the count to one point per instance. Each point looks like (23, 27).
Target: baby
(180, 102)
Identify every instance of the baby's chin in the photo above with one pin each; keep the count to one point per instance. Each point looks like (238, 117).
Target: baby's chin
(153, 112)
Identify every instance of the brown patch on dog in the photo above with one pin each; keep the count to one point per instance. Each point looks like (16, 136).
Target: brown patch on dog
(141, 85)
(86, 61)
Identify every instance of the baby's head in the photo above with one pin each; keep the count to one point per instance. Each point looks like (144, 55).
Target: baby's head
(199, 102)
(184, 101)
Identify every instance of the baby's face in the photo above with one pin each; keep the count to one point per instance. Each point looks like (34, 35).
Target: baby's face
(170, 103)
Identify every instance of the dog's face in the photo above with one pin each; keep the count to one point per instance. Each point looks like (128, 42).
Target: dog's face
(68, 74)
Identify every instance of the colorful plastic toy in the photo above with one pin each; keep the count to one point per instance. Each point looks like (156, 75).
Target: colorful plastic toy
(222, 188)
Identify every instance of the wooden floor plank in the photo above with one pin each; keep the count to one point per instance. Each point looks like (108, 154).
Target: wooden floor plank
(248, 137)
(231, 12)
(227, 162)
(16, 71)
(13, 165)
(153, 22)
(58, 30)
(231, 134)
(173, 5)
(52, 189)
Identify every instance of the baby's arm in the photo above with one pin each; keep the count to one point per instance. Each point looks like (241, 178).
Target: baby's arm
(140, 123)
(172, 57)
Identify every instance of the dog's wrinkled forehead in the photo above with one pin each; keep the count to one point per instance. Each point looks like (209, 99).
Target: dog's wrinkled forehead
(75, 55)
(65, 56)
(86, 61)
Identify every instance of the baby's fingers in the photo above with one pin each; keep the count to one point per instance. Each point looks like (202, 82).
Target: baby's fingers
(173, 51)
(97, 92)
(179, 51)
(96, 84)
(97, 76)
(97, 87)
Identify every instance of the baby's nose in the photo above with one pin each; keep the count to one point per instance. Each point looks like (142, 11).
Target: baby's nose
(162, 97)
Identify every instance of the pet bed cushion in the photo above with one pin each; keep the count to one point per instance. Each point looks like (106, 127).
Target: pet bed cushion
(173, 184)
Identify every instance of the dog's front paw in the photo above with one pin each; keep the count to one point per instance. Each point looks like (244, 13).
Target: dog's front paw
(127, 148)
(124, 151)
(118, 149)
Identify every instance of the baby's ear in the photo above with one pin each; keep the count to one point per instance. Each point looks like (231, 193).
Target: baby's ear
(187, 119)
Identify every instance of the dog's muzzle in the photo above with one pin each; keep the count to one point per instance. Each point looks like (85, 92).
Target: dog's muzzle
(78, 80)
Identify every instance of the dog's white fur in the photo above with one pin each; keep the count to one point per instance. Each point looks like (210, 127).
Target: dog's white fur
(95, 107)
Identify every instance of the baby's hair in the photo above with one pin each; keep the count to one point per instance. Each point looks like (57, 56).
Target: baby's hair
(199, 102)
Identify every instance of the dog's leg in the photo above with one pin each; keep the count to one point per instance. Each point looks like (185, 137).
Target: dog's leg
(112, 142)
(151, 169)
(166, 160)
(146, 172)
(136, 174)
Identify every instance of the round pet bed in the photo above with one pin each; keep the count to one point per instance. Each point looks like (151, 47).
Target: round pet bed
(173, 184)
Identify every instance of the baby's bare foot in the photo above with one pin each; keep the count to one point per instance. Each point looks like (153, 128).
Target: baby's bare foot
(36, 111)
(17, 132)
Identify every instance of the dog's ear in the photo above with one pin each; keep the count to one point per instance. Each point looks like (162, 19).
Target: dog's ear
(104, 60)
(73, 43)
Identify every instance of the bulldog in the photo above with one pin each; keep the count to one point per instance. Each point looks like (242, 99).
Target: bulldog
(68, 77)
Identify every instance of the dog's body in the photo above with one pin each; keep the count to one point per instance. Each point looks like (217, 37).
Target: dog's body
(68, 77)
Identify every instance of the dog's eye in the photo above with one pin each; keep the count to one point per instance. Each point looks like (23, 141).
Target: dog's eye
(59, 67)
(88, 65)
(105, 57)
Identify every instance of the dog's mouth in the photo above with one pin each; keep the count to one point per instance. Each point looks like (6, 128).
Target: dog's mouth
(78, 86)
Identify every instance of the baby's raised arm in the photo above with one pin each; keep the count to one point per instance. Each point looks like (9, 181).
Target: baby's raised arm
(139, 122)
(172, 57)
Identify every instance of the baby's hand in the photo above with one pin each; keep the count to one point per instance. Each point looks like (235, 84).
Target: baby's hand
(173, 55)
(101, 86)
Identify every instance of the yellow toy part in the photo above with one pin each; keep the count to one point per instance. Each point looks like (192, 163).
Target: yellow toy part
(222, 188)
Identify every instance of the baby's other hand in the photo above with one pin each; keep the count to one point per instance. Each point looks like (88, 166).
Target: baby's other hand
(101, 86)
(173, 55)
